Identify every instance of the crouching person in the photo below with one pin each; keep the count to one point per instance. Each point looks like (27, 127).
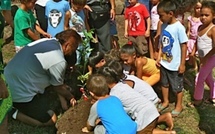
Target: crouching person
(108, 109)
(39, 65)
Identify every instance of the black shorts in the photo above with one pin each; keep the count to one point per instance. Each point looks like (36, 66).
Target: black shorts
(171, 78)
(37, 108)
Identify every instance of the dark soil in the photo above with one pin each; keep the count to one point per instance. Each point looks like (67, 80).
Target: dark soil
(74, 119)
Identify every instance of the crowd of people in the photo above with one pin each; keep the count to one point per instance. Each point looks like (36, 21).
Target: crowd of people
(121, 78)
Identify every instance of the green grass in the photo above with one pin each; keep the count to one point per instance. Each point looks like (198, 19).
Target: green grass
(199, 120)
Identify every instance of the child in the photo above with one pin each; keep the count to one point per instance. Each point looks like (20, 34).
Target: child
(95, 61)
(75, 19)
(153, 30)
(25, 25)
(192, 27)
(135, 16)
(206, 51)
(172, 53)
(144, 68)
(140, 109)
(137, 84)
(108, 109)
(55, 12)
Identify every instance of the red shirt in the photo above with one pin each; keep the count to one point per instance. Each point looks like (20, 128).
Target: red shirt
(136, 16)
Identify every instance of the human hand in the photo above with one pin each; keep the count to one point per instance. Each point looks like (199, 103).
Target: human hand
(181, 69)
(88, 8)
(47, 35)
(147, 33)
(158, 62)
(97, 121)
(126, 34)
(73, 102)
(85, 130)
(203, 61)
(112, 14)
(3, 90)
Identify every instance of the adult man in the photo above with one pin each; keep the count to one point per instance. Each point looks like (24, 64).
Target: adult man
(38, 66)
(100, 13)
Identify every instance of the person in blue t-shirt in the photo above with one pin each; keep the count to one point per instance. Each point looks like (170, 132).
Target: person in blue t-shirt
(108, 109)
(55, 12)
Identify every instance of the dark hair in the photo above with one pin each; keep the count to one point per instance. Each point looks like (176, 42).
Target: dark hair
(117, 66)
(95, 58)
(176, 6)
(209, 4)
(167, 6)
(113, 54)
(25, 1)
(110, 73)
(128, 49)
(97, 84)
(79, 2)
(69, 34)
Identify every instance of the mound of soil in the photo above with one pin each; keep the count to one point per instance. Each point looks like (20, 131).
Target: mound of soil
(74, 119)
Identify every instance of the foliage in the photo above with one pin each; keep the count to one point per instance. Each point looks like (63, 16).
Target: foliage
(85, 51)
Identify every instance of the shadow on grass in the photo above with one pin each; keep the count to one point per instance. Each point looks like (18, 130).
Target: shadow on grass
(205, 113)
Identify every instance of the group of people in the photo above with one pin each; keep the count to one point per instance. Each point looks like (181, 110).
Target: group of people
(121, 80)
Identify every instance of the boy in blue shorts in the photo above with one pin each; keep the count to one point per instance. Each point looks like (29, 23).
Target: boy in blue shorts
(172, 53)
(108, 109)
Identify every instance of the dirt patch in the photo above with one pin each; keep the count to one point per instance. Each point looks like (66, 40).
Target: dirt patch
(74, 119)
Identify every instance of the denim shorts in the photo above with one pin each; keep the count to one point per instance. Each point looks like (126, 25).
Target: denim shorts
(172, 79)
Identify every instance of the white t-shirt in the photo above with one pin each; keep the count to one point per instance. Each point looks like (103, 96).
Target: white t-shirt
(172, 36)
(137, 106)
(42, 2)
(154, 18)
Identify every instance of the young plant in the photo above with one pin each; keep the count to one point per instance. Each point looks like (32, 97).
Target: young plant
(82, 66)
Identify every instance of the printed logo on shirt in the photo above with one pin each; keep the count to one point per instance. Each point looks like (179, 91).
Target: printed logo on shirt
(167, 42)
(55, 17)
(78, 23)
(134, 18)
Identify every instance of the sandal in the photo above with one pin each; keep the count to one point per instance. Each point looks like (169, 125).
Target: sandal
(161, 108)
(194, 104)
(176, 113)
(210, 101)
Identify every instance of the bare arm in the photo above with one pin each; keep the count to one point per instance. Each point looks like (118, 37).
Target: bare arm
(8, 17)
(112, 11)
(148, 23)
(86, 20)
(139, 67)
(66, 21)
(40, 30)
(126, 28)
(212, 51)
(157, 36)
(188, 29)
(32, 35)
(63, 91)
(159, 55)
(183, 57)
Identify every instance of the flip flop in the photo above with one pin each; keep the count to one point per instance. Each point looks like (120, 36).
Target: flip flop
(210, 101)
(175, 113)
(193, 104)
(161, 108)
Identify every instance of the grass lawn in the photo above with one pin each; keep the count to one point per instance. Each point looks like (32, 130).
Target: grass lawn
(199, 120)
